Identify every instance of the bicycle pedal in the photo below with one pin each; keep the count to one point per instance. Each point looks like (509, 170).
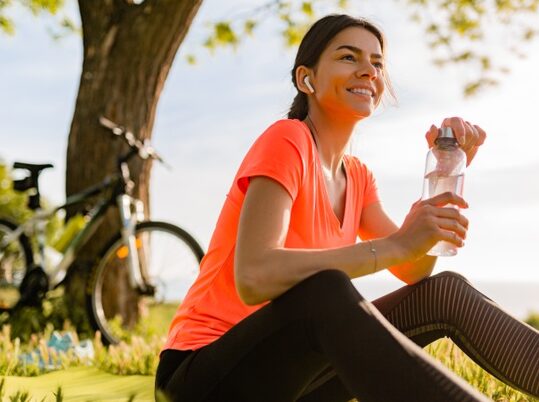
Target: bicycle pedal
(149, 291)
(34, 286)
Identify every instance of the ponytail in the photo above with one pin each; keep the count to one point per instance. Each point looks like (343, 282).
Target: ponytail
(299, 108)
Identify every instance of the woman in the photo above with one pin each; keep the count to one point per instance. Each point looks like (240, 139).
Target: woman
(273, 315)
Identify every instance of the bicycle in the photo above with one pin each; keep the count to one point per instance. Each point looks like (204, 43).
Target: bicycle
(148, 264)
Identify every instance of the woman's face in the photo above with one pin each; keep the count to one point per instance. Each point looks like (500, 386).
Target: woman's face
(348, 78)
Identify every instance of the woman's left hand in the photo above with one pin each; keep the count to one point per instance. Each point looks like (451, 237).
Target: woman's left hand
(469, 136)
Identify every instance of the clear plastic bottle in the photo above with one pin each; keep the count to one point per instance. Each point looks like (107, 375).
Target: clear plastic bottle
(444, 171)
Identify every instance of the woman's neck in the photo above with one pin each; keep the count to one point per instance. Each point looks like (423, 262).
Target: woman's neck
(332, 138)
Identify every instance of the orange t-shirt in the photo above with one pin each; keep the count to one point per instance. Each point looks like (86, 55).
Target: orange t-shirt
(285, 152)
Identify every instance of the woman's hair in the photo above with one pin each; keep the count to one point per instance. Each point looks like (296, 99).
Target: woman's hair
(313, 45)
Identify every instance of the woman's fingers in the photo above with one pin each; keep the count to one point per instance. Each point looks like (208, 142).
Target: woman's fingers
(482, 135)
(452, 237)
(453, 226)
(459, 127)
(446, 198)
(431, 135)
(452, 213)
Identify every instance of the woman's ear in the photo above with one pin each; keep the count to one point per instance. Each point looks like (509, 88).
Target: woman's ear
(303, 81)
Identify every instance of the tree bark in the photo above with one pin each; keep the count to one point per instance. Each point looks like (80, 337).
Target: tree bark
(128, 52)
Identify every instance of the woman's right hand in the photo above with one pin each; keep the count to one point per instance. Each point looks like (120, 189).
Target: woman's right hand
(429, 222)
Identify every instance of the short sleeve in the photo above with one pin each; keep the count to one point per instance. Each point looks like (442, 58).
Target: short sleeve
(279, 153)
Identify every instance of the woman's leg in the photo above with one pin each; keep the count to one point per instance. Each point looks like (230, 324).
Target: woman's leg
(275, 353)
(446, 304)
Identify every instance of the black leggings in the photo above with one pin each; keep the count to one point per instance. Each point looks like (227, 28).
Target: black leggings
(322, 341)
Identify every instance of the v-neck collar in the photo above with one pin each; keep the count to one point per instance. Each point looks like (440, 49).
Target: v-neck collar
(323, 183)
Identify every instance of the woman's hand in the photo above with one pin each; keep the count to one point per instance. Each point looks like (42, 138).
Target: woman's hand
(429, 222)
(469, 136)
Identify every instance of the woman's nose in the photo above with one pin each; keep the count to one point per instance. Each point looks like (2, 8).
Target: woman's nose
(366, 69)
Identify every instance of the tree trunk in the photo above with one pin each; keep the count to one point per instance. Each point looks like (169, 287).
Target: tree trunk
(128, 51)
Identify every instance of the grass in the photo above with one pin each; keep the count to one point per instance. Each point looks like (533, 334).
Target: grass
(125, 372)
(80, 384)
(457, 361)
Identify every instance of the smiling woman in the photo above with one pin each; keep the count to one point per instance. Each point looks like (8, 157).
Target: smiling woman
(273, 315)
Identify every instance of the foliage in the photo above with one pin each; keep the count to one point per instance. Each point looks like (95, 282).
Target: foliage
(36, 7)
(140, 356)
(294, 16)
(14, 205)
(53, 311)
(456, 32)
(12, 351)
(533, 320)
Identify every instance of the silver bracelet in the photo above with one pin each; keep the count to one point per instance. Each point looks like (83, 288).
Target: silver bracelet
(373, 251)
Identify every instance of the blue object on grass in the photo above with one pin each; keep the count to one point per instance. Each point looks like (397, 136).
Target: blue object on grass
(61, 344)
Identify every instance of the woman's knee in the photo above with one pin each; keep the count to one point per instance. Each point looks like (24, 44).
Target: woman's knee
(329, 282)
(328, 287)
(451, 274)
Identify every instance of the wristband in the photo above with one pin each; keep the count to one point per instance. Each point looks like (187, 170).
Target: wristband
(373, 251)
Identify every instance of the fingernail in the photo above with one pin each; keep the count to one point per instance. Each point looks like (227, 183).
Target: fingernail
(462, 140)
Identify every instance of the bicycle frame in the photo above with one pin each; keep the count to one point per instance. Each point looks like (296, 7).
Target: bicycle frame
(126, 205)
(121, 187)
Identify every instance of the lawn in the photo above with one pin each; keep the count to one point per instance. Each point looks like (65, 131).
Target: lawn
(125, 372)
(82, 384)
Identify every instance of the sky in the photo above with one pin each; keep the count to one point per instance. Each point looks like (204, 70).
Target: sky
(209, 115)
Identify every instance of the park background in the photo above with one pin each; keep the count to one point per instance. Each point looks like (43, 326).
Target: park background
(211, 112)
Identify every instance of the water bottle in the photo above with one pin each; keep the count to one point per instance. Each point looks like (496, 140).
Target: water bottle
(444, 171)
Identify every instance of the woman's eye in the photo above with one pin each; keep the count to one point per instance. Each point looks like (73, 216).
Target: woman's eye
(348, 57)
(379, 66)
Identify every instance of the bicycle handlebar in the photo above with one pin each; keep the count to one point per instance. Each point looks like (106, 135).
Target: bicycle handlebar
(144, 149)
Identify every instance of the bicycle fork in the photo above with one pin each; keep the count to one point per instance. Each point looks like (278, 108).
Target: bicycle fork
(129, 223)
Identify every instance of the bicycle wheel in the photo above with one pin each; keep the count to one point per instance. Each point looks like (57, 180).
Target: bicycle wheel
(169, 262)
(15, 258)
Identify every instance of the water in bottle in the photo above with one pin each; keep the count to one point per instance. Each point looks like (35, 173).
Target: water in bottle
(444, 171)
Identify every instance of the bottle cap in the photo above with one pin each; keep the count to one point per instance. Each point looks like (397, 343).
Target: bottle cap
(445, 132)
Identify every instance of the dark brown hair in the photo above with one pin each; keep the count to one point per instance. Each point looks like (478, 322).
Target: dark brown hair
(313, 45)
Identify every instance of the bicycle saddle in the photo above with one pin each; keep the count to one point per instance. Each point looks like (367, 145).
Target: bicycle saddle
(31, 181)
(32, 167)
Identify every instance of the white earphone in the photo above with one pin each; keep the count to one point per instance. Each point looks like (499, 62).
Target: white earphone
(307, 83)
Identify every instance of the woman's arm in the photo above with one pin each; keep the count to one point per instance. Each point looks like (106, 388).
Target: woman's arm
(264, 269)
(375, 223)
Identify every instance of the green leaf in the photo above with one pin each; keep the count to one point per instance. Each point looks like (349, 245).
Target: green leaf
(224, 34)
(210, 43)
(191, 59)
(485, 63)
(307, 8)
(50, 6)
(529, 34)
(464, 56)
(294, 33)
(249, 26)
(6, 25)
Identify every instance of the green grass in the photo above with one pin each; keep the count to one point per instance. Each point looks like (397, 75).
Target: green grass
(81, 384)
(457, 361)
(136, 362)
